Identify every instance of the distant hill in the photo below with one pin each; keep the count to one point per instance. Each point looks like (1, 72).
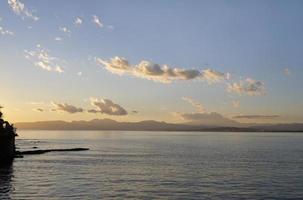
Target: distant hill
(296, 127)
(150, 125)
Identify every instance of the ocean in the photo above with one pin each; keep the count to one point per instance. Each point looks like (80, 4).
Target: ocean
(156, 165)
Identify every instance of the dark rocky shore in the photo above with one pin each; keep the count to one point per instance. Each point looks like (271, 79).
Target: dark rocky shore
(7, 144)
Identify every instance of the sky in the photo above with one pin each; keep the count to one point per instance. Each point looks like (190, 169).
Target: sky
(176, 61)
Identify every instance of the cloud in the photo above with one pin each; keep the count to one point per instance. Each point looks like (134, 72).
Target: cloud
(78, 21)
(19, 8)
(148, 70)
(64, 107)
(256, 116)
(65, 30)
(207, 119)
(248, 87)
(158, 73)
(39, 109)
(116, 65)
(4, 31)
(97, 21)
(106, 106)
(201, 117)
(41, 58)
(58, 69)
(58, 39)
(287, 71)
(200, 108)
(212, 76)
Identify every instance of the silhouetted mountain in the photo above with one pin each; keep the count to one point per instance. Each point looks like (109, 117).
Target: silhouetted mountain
(297, 127)
(102, 124)
(150, 125)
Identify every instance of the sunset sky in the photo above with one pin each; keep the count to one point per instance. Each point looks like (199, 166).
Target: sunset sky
(174, 61)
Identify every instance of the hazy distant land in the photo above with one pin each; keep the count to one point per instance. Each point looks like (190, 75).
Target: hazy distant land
(150, 125)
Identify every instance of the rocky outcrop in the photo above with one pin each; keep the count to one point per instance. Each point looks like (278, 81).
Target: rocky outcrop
(7, 144)
(7, 141)
(7, 147)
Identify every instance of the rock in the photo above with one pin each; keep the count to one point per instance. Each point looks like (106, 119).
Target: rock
(7, 141)
(7, 147)
(33, 152)
(7, 144)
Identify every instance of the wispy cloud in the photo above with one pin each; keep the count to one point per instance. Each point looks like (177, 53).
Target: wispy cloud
(64, 107)
(58, 39)
(248, 87)
(200, 108)
(78, 21)
(97, 21)
(38, 109)
(20, 9)
(58, 69)
(106, 106)
(41, 58)
(65, 30)
(4, 31)
(158, 73)
(202, 117)
(212, 76)
(207, 119)
(256, 116)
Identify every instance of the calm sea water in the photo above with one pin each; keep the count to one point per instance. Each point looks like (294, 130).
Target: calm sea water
(157, 165)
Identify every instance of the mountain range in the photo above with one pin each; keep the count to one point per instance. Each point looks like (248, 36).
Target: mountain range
(151, 125)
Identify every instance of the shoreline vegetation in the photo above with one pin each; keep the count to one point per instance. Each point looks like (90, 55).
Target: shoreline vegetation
(150, 125)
